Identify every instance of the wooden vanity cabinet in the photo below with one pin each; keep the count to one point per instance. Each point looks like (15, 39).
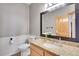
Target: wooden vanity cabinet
(33, 53)
(38, 51)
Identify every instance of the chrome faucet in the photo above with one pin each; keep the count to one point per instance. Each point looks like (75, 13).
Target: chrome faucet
(60, 42)
(59, 39)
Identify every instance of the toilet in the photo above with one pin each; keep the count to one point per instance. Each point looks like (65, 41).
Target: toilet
(25, 50)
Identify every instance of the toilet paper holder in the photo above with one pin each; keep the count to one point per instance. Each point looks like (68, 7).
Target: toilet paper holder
(11, 38)
(11, 41)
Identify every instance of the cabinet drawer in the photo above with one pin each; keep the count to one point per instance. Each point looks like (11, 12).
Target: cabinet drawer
(33, 53)
(37, 49)
(47, 53)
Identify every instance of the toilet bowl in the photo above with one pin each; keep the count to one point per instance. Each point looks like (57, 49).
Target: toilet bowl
(23, 47)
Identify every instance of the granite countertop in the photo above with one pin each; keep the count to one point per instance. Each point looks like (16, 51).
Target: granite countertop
(65, 48)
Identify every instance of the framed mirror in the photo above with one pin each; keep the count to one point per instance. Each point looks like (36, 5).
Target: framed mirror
(58, 22)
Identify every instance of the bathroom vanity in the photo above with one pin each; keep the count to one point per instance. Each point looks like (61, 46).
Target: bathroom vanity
(62, 24)
(53, 48)
(39, 51)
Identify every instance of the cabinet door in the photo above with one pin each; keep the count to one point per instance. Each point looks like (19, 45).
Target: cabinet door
(37, 49)
(33, 53)
(62, 26)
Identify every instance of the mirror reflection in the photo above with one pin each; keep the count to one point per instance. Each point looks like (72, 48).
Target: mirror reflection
(59, 22)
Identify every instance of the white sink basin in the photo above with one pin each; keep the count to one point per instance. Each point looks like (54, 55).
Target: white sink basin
(48, 45)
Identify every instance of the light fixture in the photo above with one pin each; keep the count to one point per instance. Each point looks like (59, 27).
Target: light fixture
(53, 6)
(50, 4)
(46, 5)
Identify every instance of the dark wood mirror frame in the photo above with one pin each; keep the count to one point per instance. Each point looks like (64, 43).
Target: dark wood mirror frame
(41, 26)
(63, 38)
